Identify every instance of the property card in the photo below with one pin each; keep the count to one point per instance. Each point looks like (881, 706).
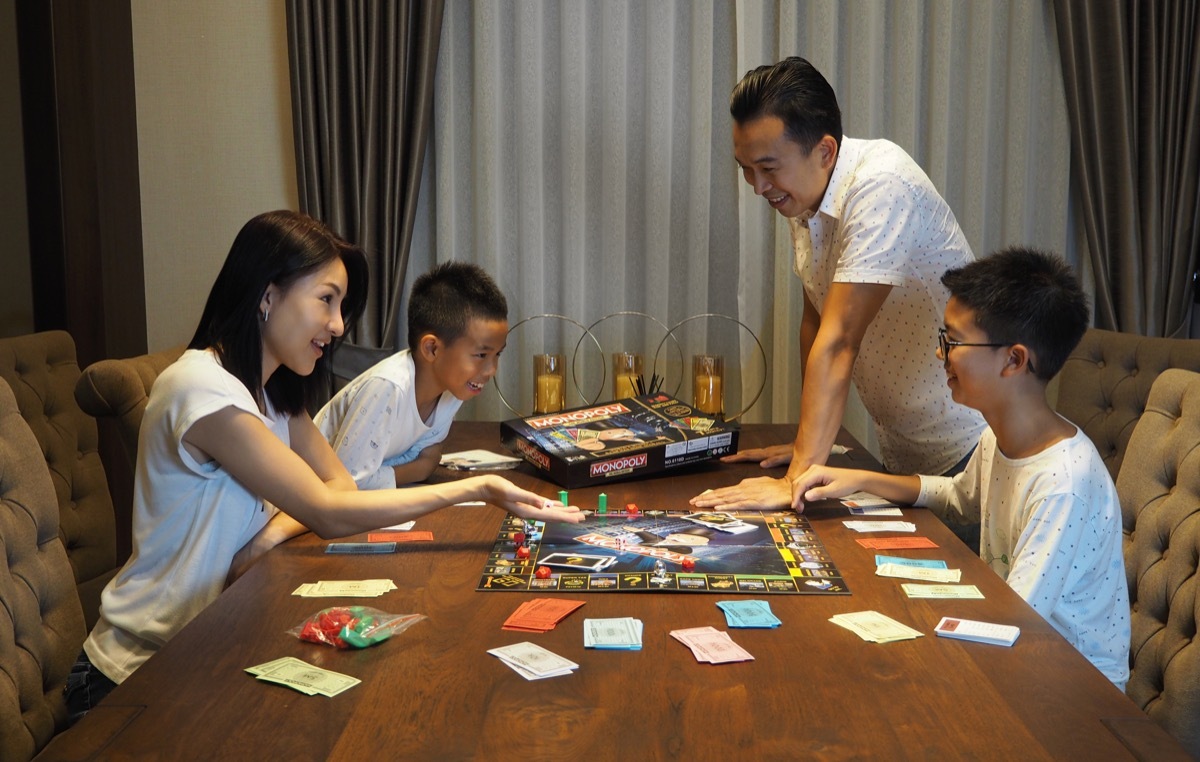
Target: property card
(927, 563)
(752, 613)
(533, 662)
(875, 627)
(980, 632)
(896, 543)
(881, 526)
(904, 571)
(941, 591)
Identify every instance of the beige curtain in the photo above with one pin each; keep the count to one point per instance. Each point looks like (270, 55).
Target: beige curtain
(582, 154)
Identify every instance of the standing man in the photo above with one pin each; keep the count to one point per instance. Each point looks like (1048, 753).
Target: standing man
(872, 237)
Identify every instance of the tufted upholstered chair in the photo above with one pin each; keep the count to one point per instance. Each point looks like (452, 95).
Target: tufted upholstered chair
(120, 389)
(41, 623)
(1105, 382)
(41, 370)
(1159, 487)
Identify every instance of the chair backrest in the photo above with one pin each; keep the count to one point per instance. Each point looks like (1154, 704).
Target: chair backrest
(351, 360)
(120, 389)
(1105, 382)
(42, 371)
(348, 362)
(41, 623)
(1159, 487)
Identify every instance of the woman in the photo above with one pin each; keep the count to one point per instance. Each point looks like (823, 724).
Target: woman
(226, 436)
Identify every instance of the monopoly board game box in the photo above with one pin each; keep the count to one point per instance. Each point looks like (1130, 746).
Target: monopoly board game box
(618, 440)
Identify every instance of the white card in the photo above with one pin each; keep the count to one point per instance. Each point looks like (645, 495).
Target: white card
(924, 574)
(881, 526)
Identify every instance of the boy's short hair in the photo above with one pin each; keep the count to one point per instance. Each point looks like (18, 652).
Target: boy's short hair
(795, 92)
(1025, 296)
(446, 299)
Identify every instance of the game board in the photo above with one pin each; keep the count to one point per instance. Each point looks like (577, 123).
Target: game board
(664, 551)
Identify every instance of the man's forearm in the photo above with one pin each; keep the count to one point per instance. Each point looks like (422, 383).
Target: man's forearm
(822, 405)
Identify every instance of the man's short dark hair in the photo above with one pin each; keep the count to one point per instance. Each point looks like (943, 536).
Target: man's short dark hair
(795, 92)
(446, 299)
(1025, 296)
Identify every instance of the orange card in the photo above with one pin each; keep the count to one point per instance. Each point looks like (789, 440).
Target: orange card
(897, 543)
(399, 536)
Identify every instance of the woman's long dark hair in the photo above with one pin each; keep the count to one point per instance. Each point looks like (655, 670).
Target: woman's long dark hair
(275, 247)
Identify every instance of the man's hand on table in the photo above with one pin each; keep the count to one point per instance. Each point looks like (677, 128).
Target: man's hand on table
(761, 493)
(767, 457)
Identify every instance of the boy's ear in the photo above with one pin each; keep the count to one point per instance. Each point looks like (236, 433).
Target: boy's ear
(1019, 359)
(429, 346)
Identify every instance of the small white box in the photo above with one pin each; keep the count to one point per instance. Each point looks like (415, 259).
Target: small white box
(980, 632)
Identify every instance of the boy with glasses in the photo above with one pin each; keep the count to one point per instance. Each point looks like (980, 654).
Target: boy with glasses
(1051, 521)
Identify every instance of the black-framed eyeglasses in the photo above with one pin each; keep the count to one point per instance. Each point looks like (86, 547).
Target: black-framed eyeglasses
(944, 345)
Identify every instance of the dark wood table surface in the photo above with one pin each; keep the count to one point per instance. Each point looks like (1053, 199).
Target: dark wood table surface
(814, 690)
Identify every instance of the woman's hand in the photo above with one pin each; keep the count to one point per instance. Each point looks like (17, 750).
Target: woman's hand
(525, 504)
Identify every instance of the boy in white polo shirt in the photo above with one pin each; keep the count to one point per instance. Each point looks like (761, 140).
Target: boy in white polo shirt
(387, 425)
(1050, 516)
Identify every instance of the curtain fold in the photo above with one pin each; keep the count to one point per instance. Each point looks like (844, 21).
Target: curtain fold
(1132, 78)
(362, 78)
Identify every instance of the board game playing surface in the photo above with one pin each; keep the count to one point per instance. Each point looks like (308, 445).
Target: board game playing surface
(664, 551)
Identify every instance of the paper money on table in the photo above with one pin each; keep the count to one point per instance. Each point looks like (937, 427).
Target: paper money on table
(617, 633)
(533, 662)
(360, 588)
(711, 645)
(941, 591)
(303, 677)
(875, 627)
(748, 613)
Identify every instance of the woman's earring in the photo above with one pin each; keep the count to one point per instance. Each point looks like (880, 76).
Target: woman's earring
(266, 315)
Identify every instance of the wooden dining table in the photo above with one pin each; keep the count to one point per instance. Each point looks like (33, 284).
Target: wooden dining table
(814, 690)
